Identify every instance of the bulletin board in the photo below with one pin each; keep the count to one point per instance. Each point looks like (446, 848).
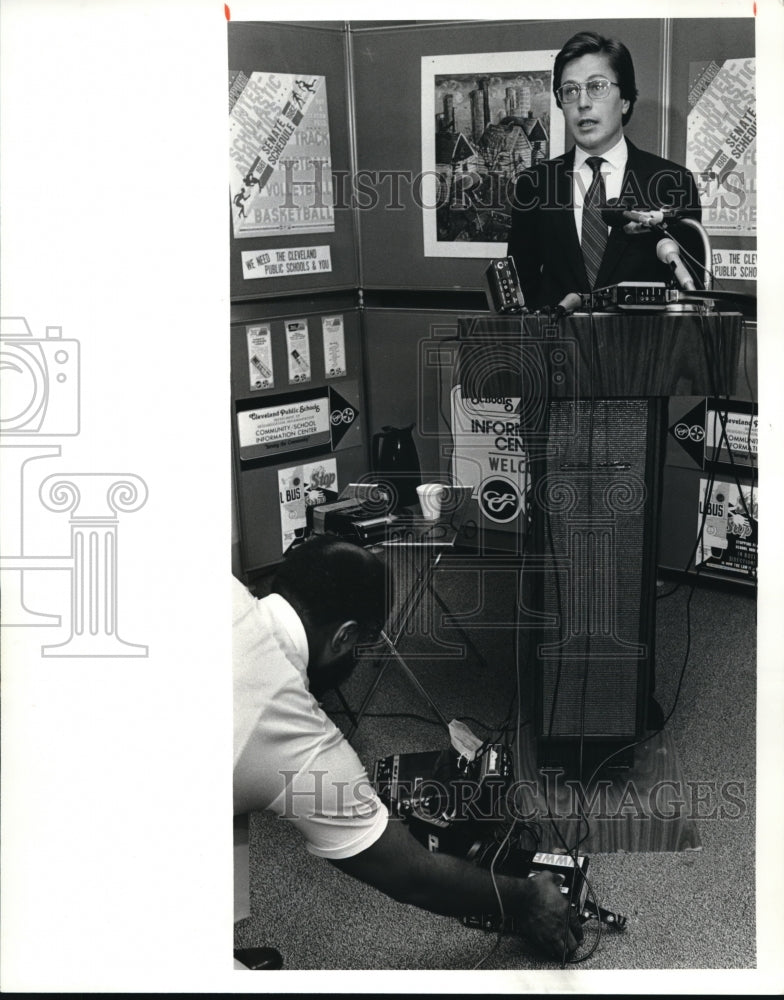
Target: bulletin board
(288, 112)
(299, 420)
(387, 85)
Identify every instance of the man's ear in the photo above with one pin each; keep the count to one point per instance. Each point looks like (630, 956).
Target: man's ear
(345, 637)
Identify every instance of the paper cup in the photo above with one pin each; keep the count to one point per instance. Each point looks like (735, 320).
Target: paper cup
(430, 495)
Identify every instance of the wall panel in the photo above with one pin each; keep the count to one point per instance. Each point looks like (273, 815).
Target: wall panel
(697, 42)
(280, 47)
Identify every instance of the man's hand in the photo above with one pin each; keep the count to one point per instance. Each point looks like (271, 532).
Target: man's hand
(400, 866)
(545, 920)
(636, 229)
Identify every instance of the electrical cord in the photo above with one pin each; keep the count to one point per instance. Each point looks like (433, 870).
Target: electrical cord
(711, 364)
(695, 266)
(499, 935)
(708, 487)
(697, 541)
(493, 728)
(723, 438)
(572, 852)
(559, 667)
(518, 757)
(592, 403)
(533, 830)
(709, 484)
(749, 437)
(655, 732)
(692, 556)
(722, 415)
(583, 818)
(502, 728)
(692, 589)
(687, 653)
(598, 938)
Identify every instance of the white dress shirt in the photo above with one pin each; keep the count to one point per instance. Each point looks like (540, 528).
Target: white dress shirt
(612, 170)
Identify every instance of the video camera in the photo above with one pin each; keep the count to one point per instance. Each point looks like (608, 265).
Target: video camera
(456, 806)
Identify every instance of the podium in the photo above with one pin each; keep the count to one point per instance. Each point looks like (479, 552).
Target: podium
(592, 395)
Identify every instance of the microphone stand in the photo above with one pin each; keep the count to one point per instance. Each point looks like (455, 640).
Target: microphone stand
(682, 304)
(706, 249)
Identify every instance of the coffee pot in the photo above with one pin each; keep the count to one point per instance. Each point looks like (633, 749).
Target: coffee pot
(396, 464)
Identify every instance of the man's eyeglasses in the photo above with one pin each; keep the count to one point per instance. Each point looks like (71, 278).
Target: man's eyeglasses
(597, 89)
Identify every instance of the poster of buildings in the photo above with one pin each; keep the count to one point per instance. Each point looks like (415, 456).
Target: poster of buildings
(485, 119)
(279, 151)
(721, 147)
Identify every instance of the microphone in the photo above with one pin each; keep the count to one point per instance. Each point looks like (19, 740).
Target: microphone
(568, 304)
(613, 216)
(621, 217)
(653, 217)
(667, 252)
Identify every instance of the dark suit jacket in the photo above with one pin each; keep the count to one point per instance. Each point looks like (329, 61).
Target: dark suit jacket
(544, 241)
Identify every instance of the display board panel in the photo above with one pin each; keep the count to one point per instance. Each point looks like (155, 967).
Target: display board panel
(412, 354)
(290, 231)
(299, 426)
(712, 129)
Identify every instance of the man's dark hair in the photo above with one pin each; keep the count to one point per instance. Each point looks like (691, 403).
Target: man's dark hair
(589, 43)
(330, 580)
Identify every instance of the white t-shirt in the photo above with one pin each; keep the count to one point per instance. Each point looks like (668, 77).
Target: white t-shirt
(288, 756)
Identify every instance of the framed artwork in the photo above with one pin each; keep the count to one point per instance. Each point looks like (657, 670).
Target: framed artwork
(485, 118)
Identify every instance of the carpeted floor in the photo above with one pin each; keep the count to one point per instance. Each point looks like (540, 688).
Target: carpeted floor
(690, 909)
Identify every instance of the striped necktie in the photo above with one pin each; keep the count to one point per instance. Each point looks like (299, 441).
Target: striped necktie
(594, 235)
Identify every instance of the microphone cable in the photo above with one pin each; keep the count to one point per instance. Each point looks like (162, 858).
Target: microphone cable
(711, 365)
(691, 262)
(573, 851)
(687, 653)
(549, 527)
(720, 415)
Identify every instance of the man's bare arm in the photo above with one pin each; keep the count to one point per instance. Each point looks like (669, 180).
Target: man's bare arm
(398, 865)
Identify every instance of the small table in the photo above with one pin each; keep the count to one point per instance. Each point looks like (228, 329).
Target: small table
(427, 542)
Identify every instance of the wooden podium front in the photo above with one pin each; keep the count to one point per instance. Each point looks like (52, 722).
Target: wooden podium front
(593, 392)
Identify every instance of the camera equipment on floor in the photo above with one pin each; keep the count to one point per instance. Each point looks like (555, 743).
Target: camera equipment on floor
(443, 795)
(455, 806)
(507, 858)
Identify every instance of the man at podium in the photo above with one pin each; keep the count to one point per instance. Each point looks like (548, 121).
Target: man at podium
(563, 237)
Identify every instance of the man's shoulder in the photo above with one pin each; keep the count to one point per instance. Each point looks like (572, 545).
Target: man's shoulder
(551, 166)
(643, 160)
(532, 183)
(652, 181)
